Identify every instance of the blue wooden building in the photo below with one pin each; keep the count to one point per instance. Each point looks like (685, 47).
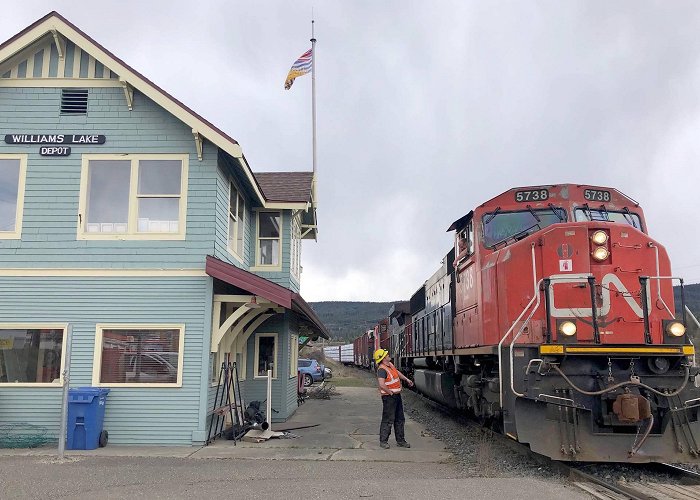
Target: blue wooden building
(137, 228)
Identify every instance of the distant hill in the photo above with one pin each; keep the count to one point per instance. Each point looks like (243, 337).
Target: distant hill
(347, 320)
(692, 298)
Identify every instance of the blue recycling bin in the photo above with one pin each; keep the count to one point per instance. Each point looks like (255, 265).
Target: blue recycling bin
(86, 414)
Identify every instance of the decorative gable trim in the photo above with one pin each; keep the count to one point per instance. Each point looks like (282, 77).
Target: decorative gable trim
(44, 31)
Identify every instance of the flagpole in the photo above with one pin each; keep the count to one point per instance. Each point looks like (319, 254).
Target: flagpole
(313, 93)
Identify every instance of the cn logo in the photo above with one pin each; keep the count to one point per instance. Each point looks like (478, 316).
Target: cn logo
(587, 312)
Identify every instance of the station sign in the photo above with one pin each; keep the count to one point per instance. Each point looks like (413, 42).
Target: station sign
(83, 139)
(54, 151)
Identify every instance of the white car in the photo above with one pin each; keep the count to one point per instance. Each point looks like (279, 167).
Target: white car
(151, 367)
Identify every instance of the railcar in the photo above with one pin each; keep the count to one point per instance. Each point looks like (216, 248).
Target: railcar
(553, 320)
(364, 347)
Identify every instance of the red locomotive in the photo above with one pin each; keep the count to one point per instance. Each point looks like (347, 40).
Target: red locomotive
(553, 319)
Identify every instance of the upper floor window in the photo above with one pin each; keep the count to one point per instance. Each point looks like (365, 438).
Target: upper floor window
(236, 221)
(269, 239)
(133, 197)
(12, 175)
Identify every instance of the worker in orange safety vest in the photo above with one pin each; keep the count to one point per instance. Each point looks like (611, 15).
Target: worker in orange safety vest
(389, 380)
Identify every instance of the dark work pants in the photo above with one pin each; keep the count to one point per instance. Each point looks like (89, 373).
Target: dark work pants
(392, 415)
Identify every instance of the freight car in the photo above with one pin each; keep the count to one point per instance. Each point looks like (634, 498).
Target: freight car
(553, 320)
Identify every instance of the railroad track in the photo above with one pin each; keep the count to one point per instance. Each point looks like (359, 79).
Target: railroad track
(662, 481)
(682, 485)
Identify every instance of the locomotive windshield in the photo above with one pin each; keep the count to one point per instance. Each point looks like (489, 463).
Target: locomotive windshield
(601, 214)
(499, 227)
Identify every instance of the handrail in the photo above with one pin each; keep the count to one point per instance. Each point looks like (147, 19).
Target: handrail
(657, 277)
(692, 316)
(500, 344)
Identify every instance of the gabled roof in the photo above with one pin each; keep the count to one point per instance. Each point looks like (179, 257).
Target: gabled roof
(268, 290)
(54, 22)
(286, 186)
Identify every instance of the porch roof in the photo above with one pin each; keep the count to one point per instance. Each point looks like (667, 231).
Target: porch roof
(266, 289)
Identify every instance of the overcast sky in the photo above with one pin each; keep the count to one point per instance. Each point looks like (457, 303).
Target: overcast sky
(427, 109)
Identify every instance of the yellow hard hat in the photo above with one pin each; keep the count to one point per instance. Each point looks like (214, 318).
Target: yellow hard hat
(379, 355)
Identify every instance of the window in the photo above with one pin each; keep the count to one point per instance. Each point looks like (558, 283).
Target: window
(465, 241)
(31, 354)
(236, 221)
(139, 355)
(269, 238)
(500, 227)
(293, 355)
(12, 175)
(215, 368)
(296, 246)
(596, 214)
(133, 197)
(265, 354)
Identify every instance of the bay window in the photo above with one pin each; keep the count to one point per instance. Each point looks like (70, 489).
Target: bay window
(236, 221)
(265, 354)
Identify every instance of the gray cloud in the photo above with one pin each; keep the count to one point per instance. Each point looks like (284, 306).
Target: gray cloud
(427, 109)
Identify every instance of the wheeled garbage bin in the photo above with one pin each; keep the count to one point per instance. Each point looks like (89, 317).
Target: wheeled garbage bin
(86, 414)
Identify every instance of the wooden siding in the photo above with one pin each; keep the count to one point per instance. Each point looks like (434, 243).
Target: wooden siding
(53, 183)
(165, 415)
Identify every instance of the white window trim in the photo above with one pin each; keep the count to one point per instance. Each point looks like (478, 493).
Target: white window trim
(132, 222)
(19, 209)
(265, 267)
(293, 356)
(240, 224)
(39, 326)
(275, 371)
(97, 359)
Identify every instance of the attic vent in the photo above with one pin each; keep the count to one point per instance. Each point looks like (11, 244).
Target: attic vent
(74, 101)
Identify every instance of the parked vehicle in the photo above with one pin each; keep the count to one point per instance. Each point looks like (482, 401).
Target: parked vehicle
(327, 373)
(151, 367)
(311, 370)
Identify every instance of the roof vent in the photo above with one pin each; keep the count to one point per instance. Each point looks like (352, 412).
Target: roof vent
(74, 101)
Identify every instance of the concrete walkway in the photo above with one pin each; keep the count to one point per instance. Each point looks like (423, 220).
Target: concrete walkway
(339, 458)
(348, 429)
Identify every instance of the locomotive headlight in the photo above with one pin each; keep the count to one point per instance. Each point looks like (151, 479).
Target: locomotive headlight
(567, 328)
(675, 328)
(600, 253)
(599, 237)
